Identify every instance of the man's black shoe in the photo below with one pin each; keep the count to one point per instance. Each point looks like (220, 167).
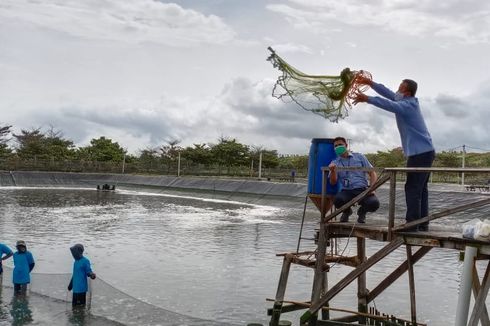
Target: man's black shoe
(423, 227)
(345, 215)
(361, 216)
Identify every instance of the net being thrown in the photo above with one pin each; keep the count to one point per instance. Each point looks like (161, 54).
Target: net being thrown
(327, 96)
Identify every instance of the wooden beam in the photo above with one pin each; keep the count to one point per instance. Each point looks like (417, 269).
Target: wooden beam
(480, 299)
(361, 281)
(411, 282)
(350, 277)
(397, 273)
(443, 213)
(391, 208)
(485, 321)
(281, 290)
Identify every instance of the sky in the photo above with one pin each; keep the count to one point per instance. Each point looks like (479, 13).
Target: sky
(145, 72)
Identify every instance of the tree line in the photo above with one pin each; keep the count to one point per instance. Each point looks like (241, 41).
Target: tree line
(50, 144)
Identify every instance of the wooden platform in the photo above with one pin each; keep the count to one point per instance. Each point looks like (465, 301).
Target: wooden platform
(441, 239)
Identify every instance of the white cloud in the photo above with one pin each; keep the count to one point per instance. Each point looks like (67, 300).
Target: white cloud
(135, 21)
(468, 22)
(292, 47)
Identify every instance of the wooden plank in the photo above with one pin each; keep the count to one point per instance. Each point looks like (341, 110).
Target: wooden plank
(396, 274)
(411, 283)
(281, 290)
(319, 278)
(361, 281)
(350, 277)
(454, 170)
(485, 321)
(391, 208)
(443, 213)
(480, 299)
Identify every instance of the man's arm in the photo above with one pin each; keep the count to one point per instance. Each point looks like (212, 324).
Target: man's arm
(378, 88)
(373, 177)
(7, 256)
(383, 91)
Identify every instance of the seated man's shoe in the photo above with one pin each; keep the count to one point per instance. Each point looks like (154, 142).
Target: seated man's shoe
(345, 215)
(361, 215)
(361, 218)
(423, 227)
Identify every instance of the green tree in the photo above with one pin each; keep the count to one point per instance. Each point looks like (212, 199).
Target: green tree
(30, 143)
(36, 144)
(389, 159)
(300, 162)
(270, 159)
(170, 152)
(448, 159)
(199, 154)
(103, 150)
(228, 152)
(5, 150)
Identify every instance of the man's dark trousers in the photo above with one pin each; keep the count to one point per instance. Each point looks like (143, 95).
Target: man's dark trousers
(368, 204)
(416, 193)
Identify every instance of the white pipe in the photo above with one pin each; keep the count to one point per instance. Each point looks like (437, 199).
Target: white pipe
(465, 288)
(463, 164)
(178, 167)
(260, 165)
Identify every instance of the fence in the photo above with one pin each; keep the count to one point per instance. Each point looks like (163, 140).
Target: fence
(172, 168)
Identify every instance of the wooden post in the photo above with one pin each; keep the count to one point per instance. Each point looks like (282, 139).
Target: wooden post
(480, 299)
(391, 208)
(325, 312)
(318, 281)
(383, 252)
(281, 290)
(361, 281)
(411, 282)
(485, 321)
(390, 279)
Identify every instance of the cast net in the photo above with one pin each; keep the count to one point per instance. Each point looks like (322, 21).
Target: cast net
(327, 96)
(48, 299)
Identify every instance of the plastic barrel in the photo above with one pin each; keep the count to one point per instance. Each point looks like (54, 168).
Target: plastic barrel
(321, 154)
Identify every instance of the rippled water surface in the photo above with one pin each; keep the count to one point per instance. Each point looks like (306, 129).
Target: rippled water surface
(209, 259)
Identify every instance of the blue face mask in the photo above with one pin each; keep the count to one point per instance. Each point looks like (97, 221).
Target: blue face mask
(339, 150)
(399, 96)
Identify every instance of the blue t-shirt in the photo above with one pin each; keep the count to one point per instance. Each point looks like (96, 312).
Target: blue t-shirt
(349, 180)
(21, 274)
(81, 269)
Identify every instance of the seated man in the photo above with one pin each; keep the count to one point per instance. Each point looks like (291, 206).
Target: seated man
(352, 182)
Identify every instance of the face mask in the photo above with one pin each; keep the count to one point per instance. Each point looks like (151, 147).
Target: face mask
(339, 150)
(399, 96)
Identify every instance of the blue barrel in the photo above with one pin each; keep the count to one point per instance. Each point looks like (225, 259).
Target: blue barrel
(322, 153)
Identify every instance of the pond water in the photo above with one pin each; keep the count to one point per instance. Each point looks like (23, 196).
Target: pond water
(197, 261)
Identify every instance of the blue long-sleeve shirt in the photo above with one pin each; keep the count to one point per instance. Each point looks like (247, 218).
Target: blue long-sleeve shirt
(81, 270)
(414, 135)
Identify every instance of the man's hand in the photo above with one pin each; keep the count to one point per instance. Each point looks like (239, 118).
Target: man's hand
(332, 167)
(92, 276)
(360, 97)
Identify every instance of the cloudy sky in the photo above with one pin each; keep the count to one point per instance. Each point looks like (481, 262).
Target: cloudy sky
(144, 71)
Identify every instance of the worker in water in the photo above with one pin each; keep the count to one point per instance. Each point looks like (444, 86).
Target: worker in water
(81, 270)
(23, 265)
(4, 250)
